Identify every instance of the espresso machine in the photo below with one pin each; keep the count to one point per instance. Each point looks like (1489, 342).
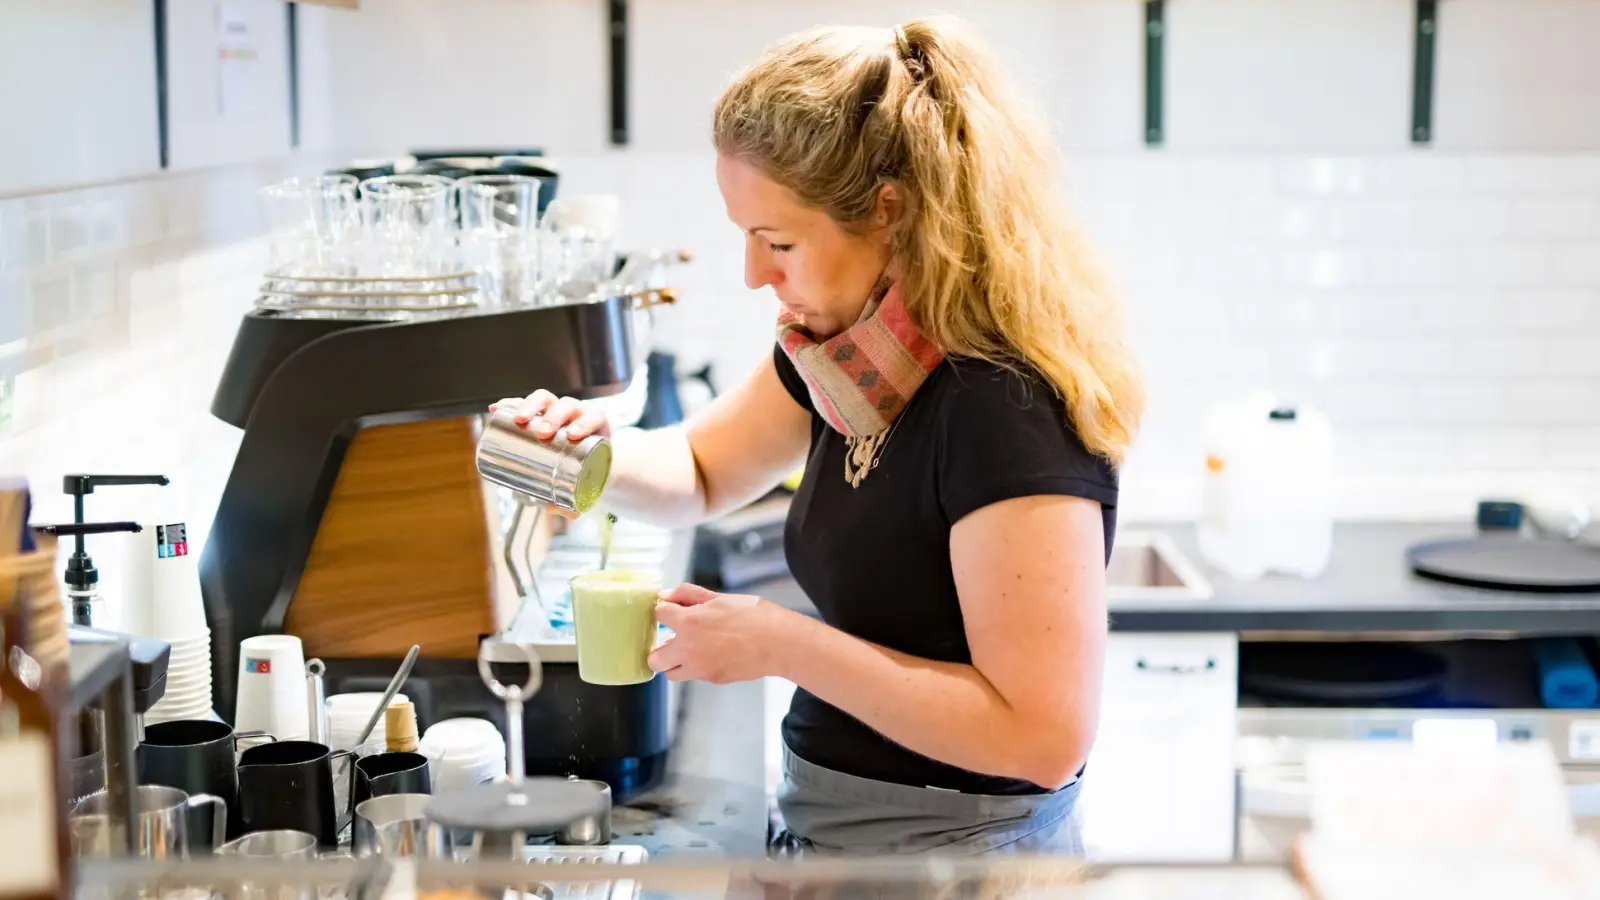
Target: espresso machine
(354, 516)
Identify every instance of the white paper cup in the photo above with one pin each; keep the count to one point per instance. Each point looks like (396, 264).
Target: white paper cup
(272, 687)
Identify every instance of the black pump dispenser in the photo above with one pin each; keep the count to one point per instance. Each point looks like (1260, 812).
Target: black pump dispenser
(81, 577)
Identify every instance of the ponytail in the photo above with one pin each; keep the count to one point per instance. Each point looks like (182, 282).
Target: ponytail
(994, 268)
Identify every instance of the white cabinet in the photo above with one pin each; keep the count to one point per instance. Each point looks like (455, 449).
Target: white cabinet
(1160, 780)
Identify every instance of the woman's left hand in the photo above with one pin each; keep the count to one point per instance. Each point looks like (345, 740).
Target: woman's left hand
(720, 638)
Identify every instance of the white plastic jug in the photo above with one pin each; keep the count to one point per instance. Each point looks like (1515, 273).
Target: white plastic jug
(1268, 496)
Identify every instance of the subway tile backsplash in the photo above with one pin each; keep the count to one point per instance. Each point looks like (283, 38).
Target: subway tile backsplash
(1444, 310)
(117, 306)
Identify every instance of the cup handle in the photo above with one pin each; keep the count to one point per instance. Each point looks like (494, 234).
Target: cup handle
(219, 818)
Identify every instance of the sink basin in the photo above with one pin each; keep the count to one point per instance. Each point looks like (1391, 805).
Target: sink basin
(1147, 565)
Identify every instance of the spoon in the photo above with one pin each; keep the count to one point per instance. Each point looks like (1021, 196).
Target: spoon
(605, 539)
(399, 679)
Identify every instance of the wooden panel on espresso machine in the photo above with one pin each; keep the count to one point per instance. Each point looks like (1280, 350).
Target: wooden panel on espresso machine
(404, 553)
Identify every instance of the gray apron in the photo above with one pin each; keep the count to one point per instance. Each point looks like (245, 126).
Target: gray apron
(828, 812)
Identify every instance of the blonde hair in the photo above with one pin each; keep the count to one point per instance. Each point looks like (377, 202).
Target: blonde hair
(993, 267)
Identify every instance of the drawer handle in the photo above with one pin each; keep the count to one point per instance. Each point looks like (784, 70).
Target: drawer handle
(1177, 668)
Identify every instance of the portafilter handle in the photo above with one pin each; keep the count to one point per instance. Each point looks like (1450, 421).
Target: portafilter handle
(497, 649)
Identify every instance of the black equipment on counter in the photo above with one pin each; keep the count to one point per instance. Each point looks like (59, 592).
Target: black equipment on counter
(663, 406)
(743, 548)
(616, 734)
(460, 163)
(474, 153)
(147, 655)
(1327, 674)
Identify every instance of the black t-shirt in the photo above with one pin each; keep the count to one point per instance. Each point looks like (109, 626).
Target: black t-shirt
(875, 559)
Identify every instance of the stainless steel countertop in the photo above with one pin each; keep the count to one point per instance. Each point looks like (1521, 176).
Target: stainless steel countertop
(715, 802)
(714, 799)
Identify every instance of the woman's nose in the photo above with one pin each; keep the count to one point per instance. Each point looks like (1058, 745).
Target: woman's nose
(758, 270)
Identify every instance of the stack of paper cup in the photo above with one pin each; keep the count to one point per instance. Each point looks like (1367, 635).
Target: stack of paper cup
(349, 713)
(272, 687)
(176, 614)
(463, 753)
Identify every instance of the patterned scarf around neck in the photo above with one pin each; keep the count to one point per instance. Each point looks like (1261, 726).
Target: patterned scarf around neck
(861, 379)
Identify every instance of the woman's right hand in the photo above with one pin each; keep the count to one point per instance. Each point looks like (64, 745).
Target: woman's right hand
(544, 414)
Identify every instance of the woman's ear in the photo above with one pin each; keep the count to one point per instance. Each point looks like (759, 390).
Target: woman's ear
(890, 206)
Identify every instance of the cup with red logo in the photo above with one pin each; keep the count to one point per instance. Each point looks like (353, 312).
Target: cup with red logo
(272, 687)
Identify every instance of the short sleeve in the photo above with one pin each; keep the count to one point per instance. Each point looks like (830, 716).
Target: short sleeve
(1006, 435)
(790, 376)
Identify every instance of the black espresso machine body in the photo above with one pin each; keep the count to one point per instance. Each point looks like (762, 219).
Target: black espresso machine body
(301, 389)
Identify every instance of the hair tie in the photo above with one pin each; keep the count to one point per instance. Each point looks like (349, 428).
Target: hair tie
(902, 45)
(909, 56)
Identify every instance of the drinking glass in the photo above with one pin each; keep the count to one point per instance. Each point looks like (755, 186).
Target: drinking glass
(312, 224)
(407, 222)
(499, 236)
(579, 246)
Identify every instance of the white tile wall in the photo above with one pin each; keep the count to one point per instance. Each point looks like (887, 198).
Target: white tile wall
(1445, 310)
(1452, 334)
(117, 309)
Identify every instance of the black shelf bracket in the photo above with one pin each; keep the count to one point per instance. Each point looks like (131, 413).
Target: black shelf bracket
(617, 32)
(1427, 26)
(163, 132)
(1155, 34)
(292, 31)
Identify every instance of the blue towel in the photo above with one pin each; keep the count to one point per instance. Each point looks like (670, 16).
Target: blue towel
(1566, 680)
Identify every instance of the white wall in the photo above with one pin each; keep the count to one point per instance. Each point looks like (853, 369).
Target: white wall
(77, 92)
(408, 73)
(1518, 75)
(1320, 75)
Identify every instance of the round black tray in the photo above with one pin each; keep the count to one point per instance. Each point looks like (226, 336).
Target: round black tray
(1510, 563)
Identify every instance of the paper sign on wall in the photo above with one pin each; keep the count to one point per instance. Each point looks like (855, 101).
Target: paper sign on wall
(237, 57)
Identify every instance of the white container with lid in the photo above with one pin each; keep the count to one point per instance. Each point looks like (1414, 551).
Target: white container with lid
(1268, 491)
(463, 753)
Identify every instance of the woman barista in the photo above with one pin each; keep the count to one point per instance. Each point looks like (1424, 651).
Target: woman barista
(950, 367)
